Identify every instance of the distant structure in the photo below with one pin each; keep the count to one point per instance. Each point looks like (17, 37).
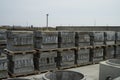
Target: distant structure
(88, 28)
(64, 28)
(47, 20)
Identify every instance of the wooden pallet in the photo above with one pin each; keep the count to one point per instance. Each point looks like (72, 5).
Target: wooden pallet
(65, 49)
(4, 78)
(86, 47)
(114, 45)
(89, 47)
(19, 52)
(56, 49)
(103, 46)
(72, 48)
(22, 75)
(40, 72)
(84, 64)
(97, 62)
(109, 45)
(117, 44)
(46, 50)
(98, 46)
(49, 70)
(3, 46)
(67, 67)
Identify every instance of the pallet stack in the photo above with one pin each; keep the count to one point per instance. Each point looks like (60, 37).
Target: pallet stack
(3, 59)
(2, 41)
(117, 51)
(97, 39)
(3, 67)
(45, 60)
(45, 40)
(66, 40)
(20, 40)
(20, 53)
(82, 55)
(109, 40)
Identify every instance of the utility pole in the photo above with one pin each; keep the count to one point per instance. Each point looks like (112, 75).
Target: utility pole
(47, 20)
(95, 22)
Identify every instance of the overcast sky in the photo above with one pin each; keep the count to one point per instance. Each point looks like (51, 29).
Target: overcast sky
(61, 12)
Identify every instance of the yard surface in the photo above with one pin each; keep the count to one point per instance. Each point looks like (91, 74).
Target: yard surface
(91, 72)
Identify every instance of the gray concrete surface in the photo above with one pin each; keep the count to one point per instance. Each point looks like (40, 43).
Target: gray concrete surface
(91, 72)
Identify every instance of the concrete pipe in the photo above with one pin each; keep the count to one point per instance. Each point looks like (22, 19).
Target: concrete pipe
(63, 75)
(118, 78)
(115, 62)
(109, 69)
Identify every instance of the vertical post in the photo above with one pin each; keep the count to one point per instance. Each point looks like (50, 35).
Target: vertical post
(95, 22)
(47, 20)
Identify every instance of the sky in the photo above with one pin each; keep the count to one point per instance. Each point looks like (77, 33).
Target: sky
(61, 12)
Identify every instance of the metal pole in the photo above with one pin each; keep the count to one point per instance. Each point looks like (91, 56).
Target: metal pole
(95, 22)
(47, 20)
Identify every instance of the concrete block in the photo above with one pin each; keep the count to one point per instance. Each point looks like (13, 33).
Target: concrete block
(83, 56)
(66, 37)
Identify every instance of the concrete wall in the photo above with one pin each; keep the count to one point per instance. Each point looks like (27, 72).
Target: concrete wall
(88, 28)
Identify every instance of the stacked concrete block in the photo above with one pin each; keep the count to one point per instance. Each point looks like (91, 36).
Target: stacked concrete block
(83, 56)
(45, 61)
(20, 52)
(82, 40)
(20, 40)
(97, 55)
(117, 52)
(45, 40)
(117, 41)
(109, 40)
(2, 41)
(3, 67)
(20, 64)
(66, 40)
(67, 59)
(117, 36)
(109, 37)
(109, 52)
(97, 39)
